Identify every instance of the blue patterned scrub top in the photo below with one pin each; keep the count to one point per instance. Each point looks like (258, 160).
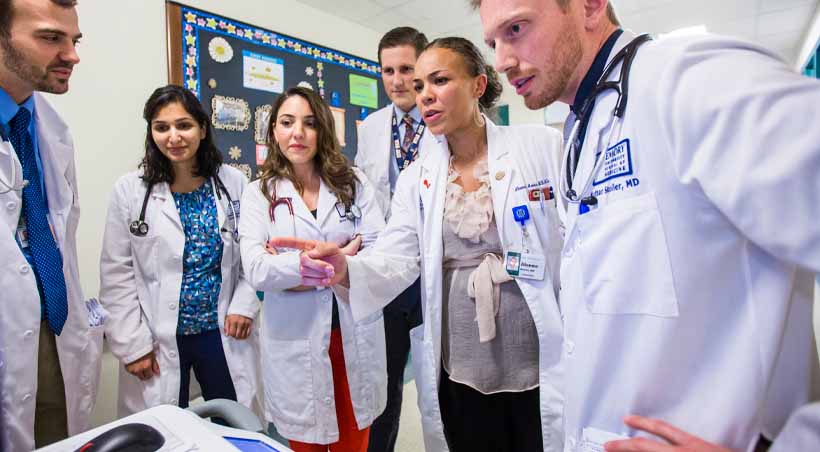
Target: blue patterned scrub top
(201, 263)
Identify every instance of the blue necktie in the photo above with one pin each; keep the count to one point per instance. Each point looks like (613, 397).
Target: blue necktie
(48, 261)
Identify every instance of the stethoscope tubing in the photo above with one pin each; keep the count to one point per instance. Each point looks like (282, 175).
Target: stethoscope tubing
(12, 185)
(624, 57)
(140, 228)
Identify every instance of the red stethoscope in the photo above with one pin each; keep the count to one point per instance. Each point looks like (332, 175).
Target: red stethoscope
(276, 203)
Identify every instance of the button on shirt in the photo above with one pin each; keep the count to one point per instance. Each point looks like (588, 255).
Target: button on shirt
(394, 167)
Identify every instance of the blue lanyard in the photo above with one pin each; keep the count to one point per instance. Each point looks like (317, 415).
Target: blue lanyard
(413, 150)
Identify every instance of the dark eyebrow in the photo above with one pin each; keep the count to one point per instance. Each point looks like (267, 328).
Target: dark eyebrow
(435, 73)
(59, 33)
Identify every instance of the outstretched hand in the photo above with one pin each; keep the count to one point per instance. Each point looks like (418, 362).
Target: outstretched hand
(321, 263)
(677, 440)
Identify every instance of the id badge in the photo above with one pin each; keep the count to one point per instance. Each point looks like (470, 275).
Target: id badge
(525, 265)
(593, 439)
(22, 233)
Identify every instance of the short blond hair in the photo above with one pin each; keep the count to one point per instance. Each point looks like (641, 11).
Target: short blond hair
(564, 4)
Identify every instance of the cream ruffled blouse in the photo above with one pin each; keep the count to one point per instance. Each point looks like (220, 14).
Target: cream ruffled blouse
(469, 213)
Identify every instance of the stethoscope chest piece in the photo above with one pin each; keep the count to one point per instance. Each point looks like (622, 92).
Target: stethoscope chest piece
(139, 228)
(354, 213)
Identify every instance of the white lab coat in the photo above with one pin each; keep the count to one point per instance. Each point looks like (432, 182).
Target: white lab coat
(801, 432)
(140, 283)
(296, 326)
(519, 158)
(685, 292)
(374, 151)
(79, 346)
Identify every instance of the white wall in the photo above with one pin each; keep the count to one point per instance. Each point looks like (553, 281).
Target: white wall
(123, 59)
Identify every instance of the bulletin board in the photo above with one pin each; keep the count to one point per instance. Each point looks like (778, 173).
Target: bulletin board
(237, 70)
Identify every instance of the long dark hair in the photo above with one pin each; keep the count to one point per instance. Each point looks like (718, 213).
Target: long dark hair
(156, 167)
(333, 167)
(476, 65)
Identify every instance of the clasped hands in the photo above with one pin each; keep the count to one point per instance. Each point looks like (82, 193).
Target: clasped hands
(320, 263)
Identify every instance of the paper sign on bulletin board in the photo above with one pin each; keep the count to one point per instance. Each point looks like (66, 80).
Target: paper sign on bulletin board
(364, 91)
(237, 70)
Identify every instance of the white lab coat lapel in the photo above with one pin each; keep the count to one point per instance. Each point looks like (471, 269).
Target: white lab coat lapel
(501, 176)
(161, 192)
(382, 165)
(432, 190)
(56, 155)
(326, 214)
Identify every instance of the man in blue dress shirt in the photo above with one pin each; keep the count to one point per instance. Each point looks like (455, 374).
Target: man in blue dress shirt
(50, 364)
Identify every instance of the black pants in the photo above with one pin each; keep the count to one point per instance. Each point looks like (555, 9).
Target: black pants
(501, 422)
(400, 316)
(204, 353)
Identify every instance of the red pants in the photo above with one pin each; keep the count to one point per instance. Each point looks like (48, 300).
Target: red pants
(351, 439)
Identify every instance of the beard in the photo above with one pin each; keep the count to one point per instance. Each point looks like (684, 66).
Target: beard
(558, 69)
(40, 79)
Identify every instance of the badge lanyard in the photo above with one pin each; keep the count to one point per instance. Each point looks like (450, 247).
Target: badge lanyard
(523, 264)
(521, 214)
(412, 150)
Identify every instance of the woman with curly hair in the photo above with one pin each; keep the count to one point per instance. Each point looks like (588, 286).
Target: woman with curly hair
(325, 374)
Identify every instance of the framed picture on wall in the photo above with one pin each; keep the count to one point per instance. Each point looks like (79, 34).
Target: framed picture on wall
(261, 116)
(230, 113)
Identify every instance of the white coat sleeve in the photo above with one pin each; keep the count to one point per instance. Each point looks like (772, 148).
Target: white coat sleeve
(802, 431)
(379, 274)
(244, 300)
(126, 328)
(737, 121)
(360, 161)
(264, 271)
(372, 221)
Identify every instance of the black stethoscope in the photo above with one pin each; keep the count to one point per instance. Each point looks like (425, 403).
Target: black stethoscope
(13, 184)
(139, 227)
(620, 86)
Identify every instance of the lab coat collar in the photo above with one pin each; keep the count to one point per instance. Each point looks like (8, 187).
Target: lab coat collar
(57, 155)
(595, 71)
(501, 173)
(162, 192)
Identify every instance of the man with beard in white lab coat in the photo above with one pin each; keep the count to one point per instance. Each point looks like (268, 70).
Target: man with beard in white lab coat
(52, 341)
(690, 243)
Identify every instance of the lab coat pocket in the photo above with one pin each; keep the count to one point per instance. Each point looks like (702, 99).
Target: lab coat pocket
(626, 238)
(145, 256)
(288, 378)
(370, 344)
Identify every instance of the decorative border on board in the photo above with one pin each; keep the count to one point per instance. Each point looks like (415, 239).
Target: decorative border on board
(195, 20)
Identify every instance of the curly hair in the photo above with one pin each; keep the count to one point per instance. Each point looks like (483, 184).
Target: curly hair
(155, 166)
(332, 166)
